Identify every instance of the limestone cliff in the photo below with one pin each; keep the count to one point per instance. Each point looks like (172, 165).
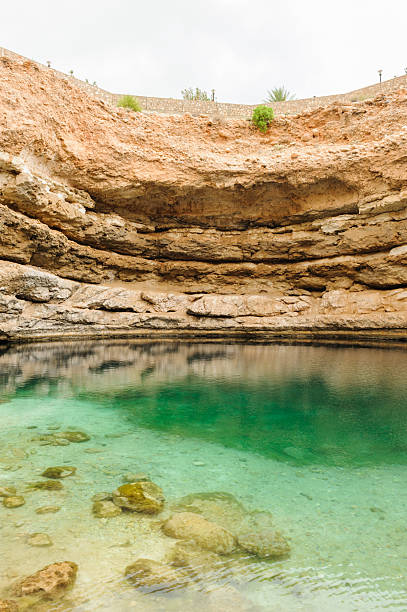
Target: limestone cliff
(121, 223)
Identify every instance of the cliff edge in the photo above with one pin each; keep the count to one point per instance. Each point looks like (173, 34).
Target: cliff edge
(122, 223)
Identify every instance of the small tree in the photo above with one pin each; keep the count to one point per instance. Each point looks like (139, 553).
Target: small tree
(195, 94)
(279, 94)
(262, 117)
(130, 102)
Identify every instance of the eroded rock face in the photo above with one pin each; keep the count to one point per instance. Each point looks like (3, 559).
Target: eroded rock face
(205, 534)
(195, 226)
(52, 581)
(105, 509)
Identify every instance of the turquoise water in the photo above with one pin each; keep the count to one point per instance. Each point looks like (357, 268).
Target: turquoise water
(316, 436)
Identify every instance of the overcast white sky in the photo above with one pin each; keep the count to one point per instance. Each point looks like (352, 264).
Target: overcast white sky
(241, 48)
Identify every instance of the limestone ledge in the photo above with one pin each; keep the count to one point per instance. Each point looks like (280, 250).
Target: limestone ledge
(36, 305)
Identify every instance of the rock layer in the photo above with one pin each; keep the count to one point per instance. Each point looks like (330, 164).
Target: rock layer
(121, 223)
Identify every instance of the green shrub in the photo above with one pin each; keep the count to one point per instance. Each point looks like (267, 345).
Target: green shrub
(130, 102)
(262, 117)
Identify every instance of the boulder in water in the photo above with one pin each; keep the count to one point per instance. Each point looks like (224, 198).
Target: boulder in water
(205, 534)
(152, 576)
(105, 509)
(140, 497)
(50, 582)
(265, 545)
(59, 472)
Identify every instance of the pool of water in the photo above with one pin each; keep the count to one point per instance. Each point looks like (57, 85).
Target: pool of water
(315, 437)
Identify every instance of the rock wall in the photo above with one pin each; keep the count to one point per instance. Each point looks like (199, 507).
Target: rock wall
(116, 223)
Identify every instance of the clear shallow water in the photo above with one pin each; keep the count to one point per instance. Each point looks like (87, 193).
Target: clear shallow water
(315, 435)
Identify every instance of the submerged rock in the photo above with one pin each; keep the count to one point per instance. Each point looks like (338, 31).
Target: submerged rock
(205, 534)
(14, 501)
(7, 491)
(103, 496)
(48, 509)
(265, 545)
(50, 582)
(139, 477)
(216, 506)
(39, 539)
(72, 436)
(140, 497)
(59, 472)
(105, 509)
(195, 560)
(46, 485)
(153, 576)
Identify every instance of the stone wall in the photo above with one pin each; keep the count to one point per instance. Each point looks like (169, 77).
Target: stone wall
(225, 109)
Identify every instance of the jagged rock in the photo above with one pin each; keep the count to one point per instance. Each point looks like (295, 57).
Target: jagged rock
(13, 501)
(205, 534)
(59, 472)
(152, 576)
(140, 497)
(105, 509)
(50, 582)
(264, 544)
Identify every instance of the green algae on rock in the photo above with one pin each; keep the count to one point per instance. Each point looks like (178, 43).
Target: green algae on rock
(13, 501)
(205, 534)
(59, 472)
(140, 497)
(152, 576)
(46, 485)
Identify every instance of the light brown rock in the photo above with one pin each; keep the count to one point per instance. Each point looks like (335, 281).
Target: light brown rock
(205, 534)
(105, 509)
(49, 582)
(39, 539)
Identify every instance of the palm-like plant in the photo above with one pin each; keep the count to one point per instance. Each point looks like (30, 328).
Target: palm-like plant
(279, 94)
